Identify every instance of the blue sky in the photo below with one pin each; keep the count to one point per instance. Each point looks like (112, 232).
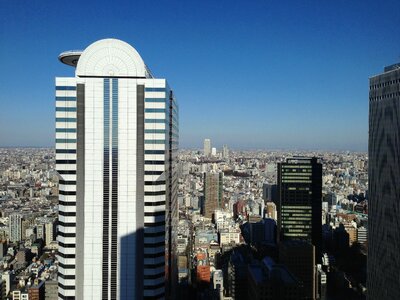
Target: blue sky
(250, 74)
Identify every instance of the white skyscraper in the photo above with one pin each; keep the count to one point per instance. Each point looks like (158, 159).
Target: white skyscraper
(207, 147)
(213, 151)
(116, 143)
(15, 227)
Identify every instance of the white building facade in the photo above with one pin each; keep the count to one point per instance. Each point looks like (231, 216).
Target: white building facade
(116, 142)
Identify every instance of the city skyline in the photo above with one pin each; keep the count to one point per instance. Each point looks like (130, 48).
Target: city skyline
(304, 67)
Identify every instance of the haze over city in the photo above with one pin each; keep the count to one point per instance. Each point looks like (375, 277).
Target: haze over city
(271, 75)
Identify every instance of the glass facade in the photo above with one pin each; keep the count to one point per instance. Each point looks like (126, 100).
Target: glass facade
(300, 200)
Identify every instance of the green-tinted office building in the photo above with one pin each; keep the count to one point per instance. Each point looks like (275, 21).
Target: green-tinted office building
(300, 200)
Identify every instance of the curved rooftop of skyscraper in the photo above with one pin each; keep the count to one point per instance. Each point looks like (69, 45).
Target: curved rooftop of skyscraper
(107, 57)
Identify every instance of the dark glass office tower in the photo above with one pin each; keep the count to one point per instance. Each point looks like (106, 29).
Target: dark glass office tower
(384, 185)
(300, 204)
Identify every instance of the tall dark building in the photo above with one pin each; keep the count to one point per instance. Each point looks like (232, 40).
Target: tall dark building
(384, 185)
(300, 200)
(212, 193)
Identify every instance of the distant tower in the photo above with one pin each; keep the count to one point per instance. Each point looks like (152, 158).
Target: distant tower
(116, 145)
(225, 151)
(300, 200)
(15, 227)
(384, 185)
(212, 193)
(207, 147)
(213, 151)
(50, 229)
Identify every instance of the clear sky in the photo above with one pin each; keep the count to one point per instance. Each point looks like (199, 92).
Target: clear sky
(250, 74)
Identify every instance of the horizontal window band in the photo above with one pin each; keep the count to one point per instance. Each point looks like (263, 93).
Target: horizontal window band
(65, 88)
(154, 110)
(66, 276)
(65, 203)
(67, 193)
(161, 182)
(155, 224)
(66, 224)
(65, 98)
(154, 214)
(154, 121)
(154, 162)
(67, 214)
(65, 119)
(154, 142)
(158, 296)
(150, 245)
(155, 100)
(67, 245)
(155, 276)
(65, 141)
(154, 193)
(152, 89)
(154, 151)
(158, 203)
(66, 151)
(66, 130)
(67, 172)
(155, 266)
(153, 172)
(66, 255)
(66, 297)
(154, 255)
(155, 131)
(66, 234)
(154, 287)
(66, 287)
(67, 182)
(66, 161)
(154, 234)
(66, 266)
(66, 109)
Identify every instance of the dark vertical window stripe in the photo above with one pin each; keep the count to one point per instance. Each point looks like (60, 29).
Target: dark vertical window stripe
(140, 190)
(114, 212)
(106, 187)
